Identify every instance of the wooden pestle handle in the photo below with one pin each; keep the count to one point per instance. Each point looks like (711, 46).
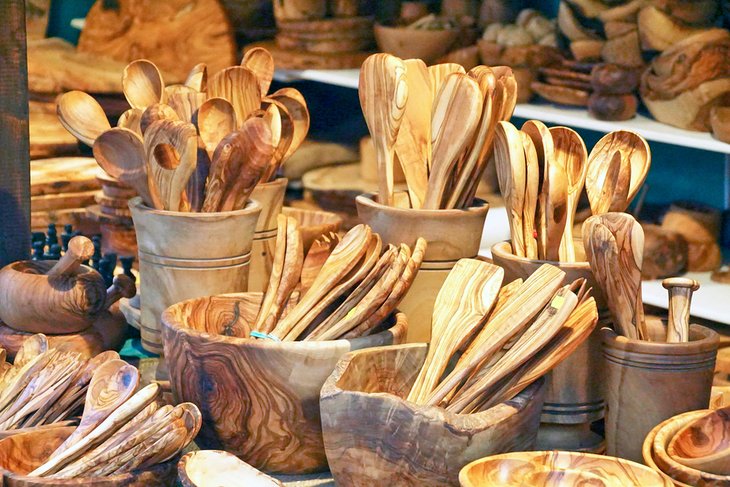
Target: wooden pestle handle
(80, 249)
(122, 287)
(680, 297)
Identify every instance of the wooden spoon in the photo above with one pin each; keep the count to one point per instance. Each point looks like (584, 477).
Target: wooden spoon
(543, 140)
(153, 113)
(456, 114)
(131, 119)
(286, 138)
(438, 74)
(197, 78)
(120, 152)
(82, 116)
(556, 204)
(509, 157)
(296, 106)
(240, 87)
(462, 306)
(186, 105)
(216, 119)
(569, 147)
(704, 444)
(506, 77)
(383, 96)
(142, 84)
(532, 188)
(260, 61)
(32, 346)
(680, 298)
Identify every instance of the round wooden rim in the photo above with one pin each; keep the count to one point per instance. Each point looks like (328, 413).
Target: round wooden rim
(136, 204)
(479, 210)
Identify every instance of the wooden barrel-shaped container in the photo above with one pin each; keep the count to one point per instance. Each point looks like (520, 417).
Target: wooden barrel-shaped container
(270, 196)
(22, 453)
(187, 255)
(574, 395)
(649, 382)
(259, 398)
(451, 235)
(374, 436)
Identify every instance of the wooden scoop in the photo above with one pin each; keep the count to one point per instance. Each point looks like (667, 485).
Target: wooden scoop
(240, 87)
(569, 147)
(215, 468)
(509, 157)
(153, 113)
(260, 61)
(142, 84)
(704, 444)
(383, 96)
(296, 106)
(80, 249)
(197, 78)
(120, 152)
(216, 119)
(462, 306)
(680, 297)
(82, 116)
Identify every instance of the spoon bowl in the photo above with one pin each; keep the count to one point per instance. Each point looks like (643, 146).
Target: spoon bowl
(120, 152)
(82, 116)
(142, 84)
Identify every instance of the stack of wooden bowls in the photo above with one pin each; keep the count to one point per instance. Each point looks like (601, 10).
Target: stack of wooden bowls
(112, 213)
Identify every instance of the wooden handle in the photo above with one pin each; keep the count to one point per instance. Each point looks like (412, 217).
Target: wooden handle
(680, 297)
(79, 250)
(122, 287)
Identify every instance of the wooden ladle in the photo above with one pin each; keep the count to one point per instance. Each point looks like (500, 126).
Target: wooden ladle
(82, 116)
(704, 444)
(120, 152)
(142, 84)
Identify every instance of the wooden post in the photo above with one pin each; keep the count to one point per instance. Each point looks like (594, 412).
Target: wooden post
(15, 159)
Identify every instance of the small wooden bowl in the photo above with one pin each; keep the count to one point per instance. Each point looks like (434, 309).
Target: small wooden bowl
(313, 223)
(647, 450)
(259, 398)
(547, 468)
(215, 468)
(373, 436)
(22, 453)
(428, 45)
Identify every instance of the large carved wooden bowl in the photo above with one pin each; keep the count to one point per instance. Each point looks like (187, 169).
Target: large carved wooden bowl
(22, 453)
(259, 399)
(373, 436)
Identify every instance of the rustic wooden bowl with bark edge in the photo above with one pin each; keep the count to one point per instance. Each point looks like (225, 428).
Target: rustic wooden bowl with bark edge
(373, 436)
(259, 399)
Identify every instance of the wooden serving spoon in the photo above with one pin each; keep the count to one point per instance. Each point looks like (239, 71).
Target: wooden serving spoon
(704, 444)
(462, 306)
(456, 114)
(569, 147)
(509, 157)
(532, 188)
(216, 119)
(438, 74)
(142, 84)
(186, 105)
(383, 96)
(556, 206)
(260, 61)
(120, 152)
(296, 106)
(543, 140)
(82, 116)
(506, 77)
(197, 78)
(680, 298)
(240, 87)
(131, 119)
(153, 113)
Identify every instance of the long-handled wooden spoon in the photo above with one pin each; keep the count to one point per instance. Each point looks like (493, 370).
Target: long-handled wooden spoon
(532, 189)
(153, 113)
(120, 152)
(240, 87)
(570, 148)
(216, 119)
(82, 116)
(296, 106)
(543, 140)
(509, 157)
(506, 77)
(142, 84)
(260, 61)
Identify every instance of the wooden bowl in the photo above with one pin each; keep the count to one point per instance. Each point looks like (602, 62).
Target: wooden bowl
(373, 436)
(428, 45)
(313, 223)
(647, 451)
(259, 399)
(549, 468)
(215, 468)
(20, 454)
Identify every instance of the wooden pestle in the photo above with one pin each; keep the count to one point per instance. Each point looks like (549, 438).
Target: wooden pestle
(122, 287)
(680, 297)
(80, 249)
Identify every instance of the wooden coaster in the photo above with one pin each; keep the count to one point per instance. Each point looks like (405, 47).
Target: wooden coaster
(294, 59)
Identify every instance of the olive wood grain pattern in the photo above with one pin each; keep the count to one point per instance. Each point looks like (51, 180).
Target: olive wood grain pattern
(261, 63)
(142, 84)
(438, 74)
(240, 87)
(120, 152)
(197, 78)
(316, 256)
(155, 112)
(680, 298)
(131, 120)
(214, 468)
(296, 106)
(702, 444)
(532, 189)
(569, 146)
(186, 105)
(216, 119)
(265, 321)
(509, 158)
(82, 116)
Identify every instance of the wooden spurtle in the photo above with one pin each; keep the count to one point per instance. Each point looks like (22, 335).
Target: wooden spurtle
(153, 113)
(131, 119)
(216, 119)
(543, 140)
(532, 189)
(438, 74)
(383, 95)
(462, 307)
(456, 114)
(296, 106)
(509, 157)
(240, 87)
(197, 78)
(186, 105)
(120, 152)
(142, 84)
(569, 147)
(680, 298)
(82, 116)
(261, 63)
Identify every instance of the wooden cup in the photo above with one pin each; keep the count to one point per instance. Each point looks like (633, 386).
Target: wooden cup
(649, 382)
(187, 255)
(259, 398)
(451, 235)
(271, 198)
(574, 396)
(374, 436)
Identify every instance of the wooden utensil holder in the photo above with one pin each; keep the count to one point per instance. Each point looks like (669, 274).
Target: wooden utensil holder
(451, 235)
(271, 198)
(22, 453)
(187, 255)
(313, 223)
(259, 398)
(649, 382)
(374, 436)
(574, 395)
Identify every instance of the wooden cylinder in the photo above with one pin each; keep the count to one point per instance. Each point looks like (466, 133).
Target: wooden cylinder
(649, 382)
(187, 255)
(271, 198)
(374, 436)
(259, 398)
(451, 235)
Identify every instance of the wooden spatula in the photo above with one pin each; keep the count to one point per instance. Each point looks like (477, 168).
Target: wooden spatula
(569, 147)
(240, 87)
(120, 152)
(263, 322)
(509, 157)
(462, 306)
(438, 74)
(260, 61)
(383, 95)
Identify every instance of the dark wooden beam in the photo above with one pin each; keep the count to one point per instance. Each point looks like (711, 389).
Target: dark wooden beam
(14, 143)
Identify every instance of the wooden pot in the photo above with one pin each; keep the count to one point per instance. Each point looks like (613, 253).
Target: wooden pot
(648, 382)
(425, 44)
(259, 399)
(187, 255)
(22, 453)
(313, 223)
(373, 436)
(451, 235)
(270, 196)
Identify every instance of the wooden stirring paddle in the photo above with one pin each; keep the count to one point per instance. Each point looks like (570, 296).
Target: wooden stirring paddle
(120, 152)
(509, 158)
(569, 147)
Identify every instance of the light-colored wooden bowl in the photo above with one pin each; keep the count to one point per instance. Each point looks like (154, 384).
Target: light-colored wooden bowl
(374, 436)
(428, 45)
(259, 398)
(313, 223)
(215, 468)
(20, 454)
(558, 468)
(271, 198)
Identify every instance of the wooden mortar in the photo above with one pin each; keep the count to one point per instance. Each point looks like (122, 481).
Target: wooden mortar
(259, 398)
(451, 235)
(270, 196)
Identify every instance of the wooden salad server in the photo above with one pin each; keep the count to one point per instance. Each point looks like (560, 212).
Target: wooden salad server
(120, 152)
(680, 298)
(82, 116)
(153, 113)
(383, 95)
(532, 188)
(216, 119)
(438, 74)
(142, 84)
(197, 78)
(509, 157)
(296, 106)
(261, 63)
(240, 87)
(569, 147)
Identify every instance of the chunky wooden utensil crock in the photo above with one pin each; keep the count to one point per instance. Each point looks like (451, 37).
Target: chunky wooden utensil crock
(451, 235)
(22, 453)
(574, 395)
(648, 382)
(259, 398)
(271, 198)
(187, 255)
(374, 436)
